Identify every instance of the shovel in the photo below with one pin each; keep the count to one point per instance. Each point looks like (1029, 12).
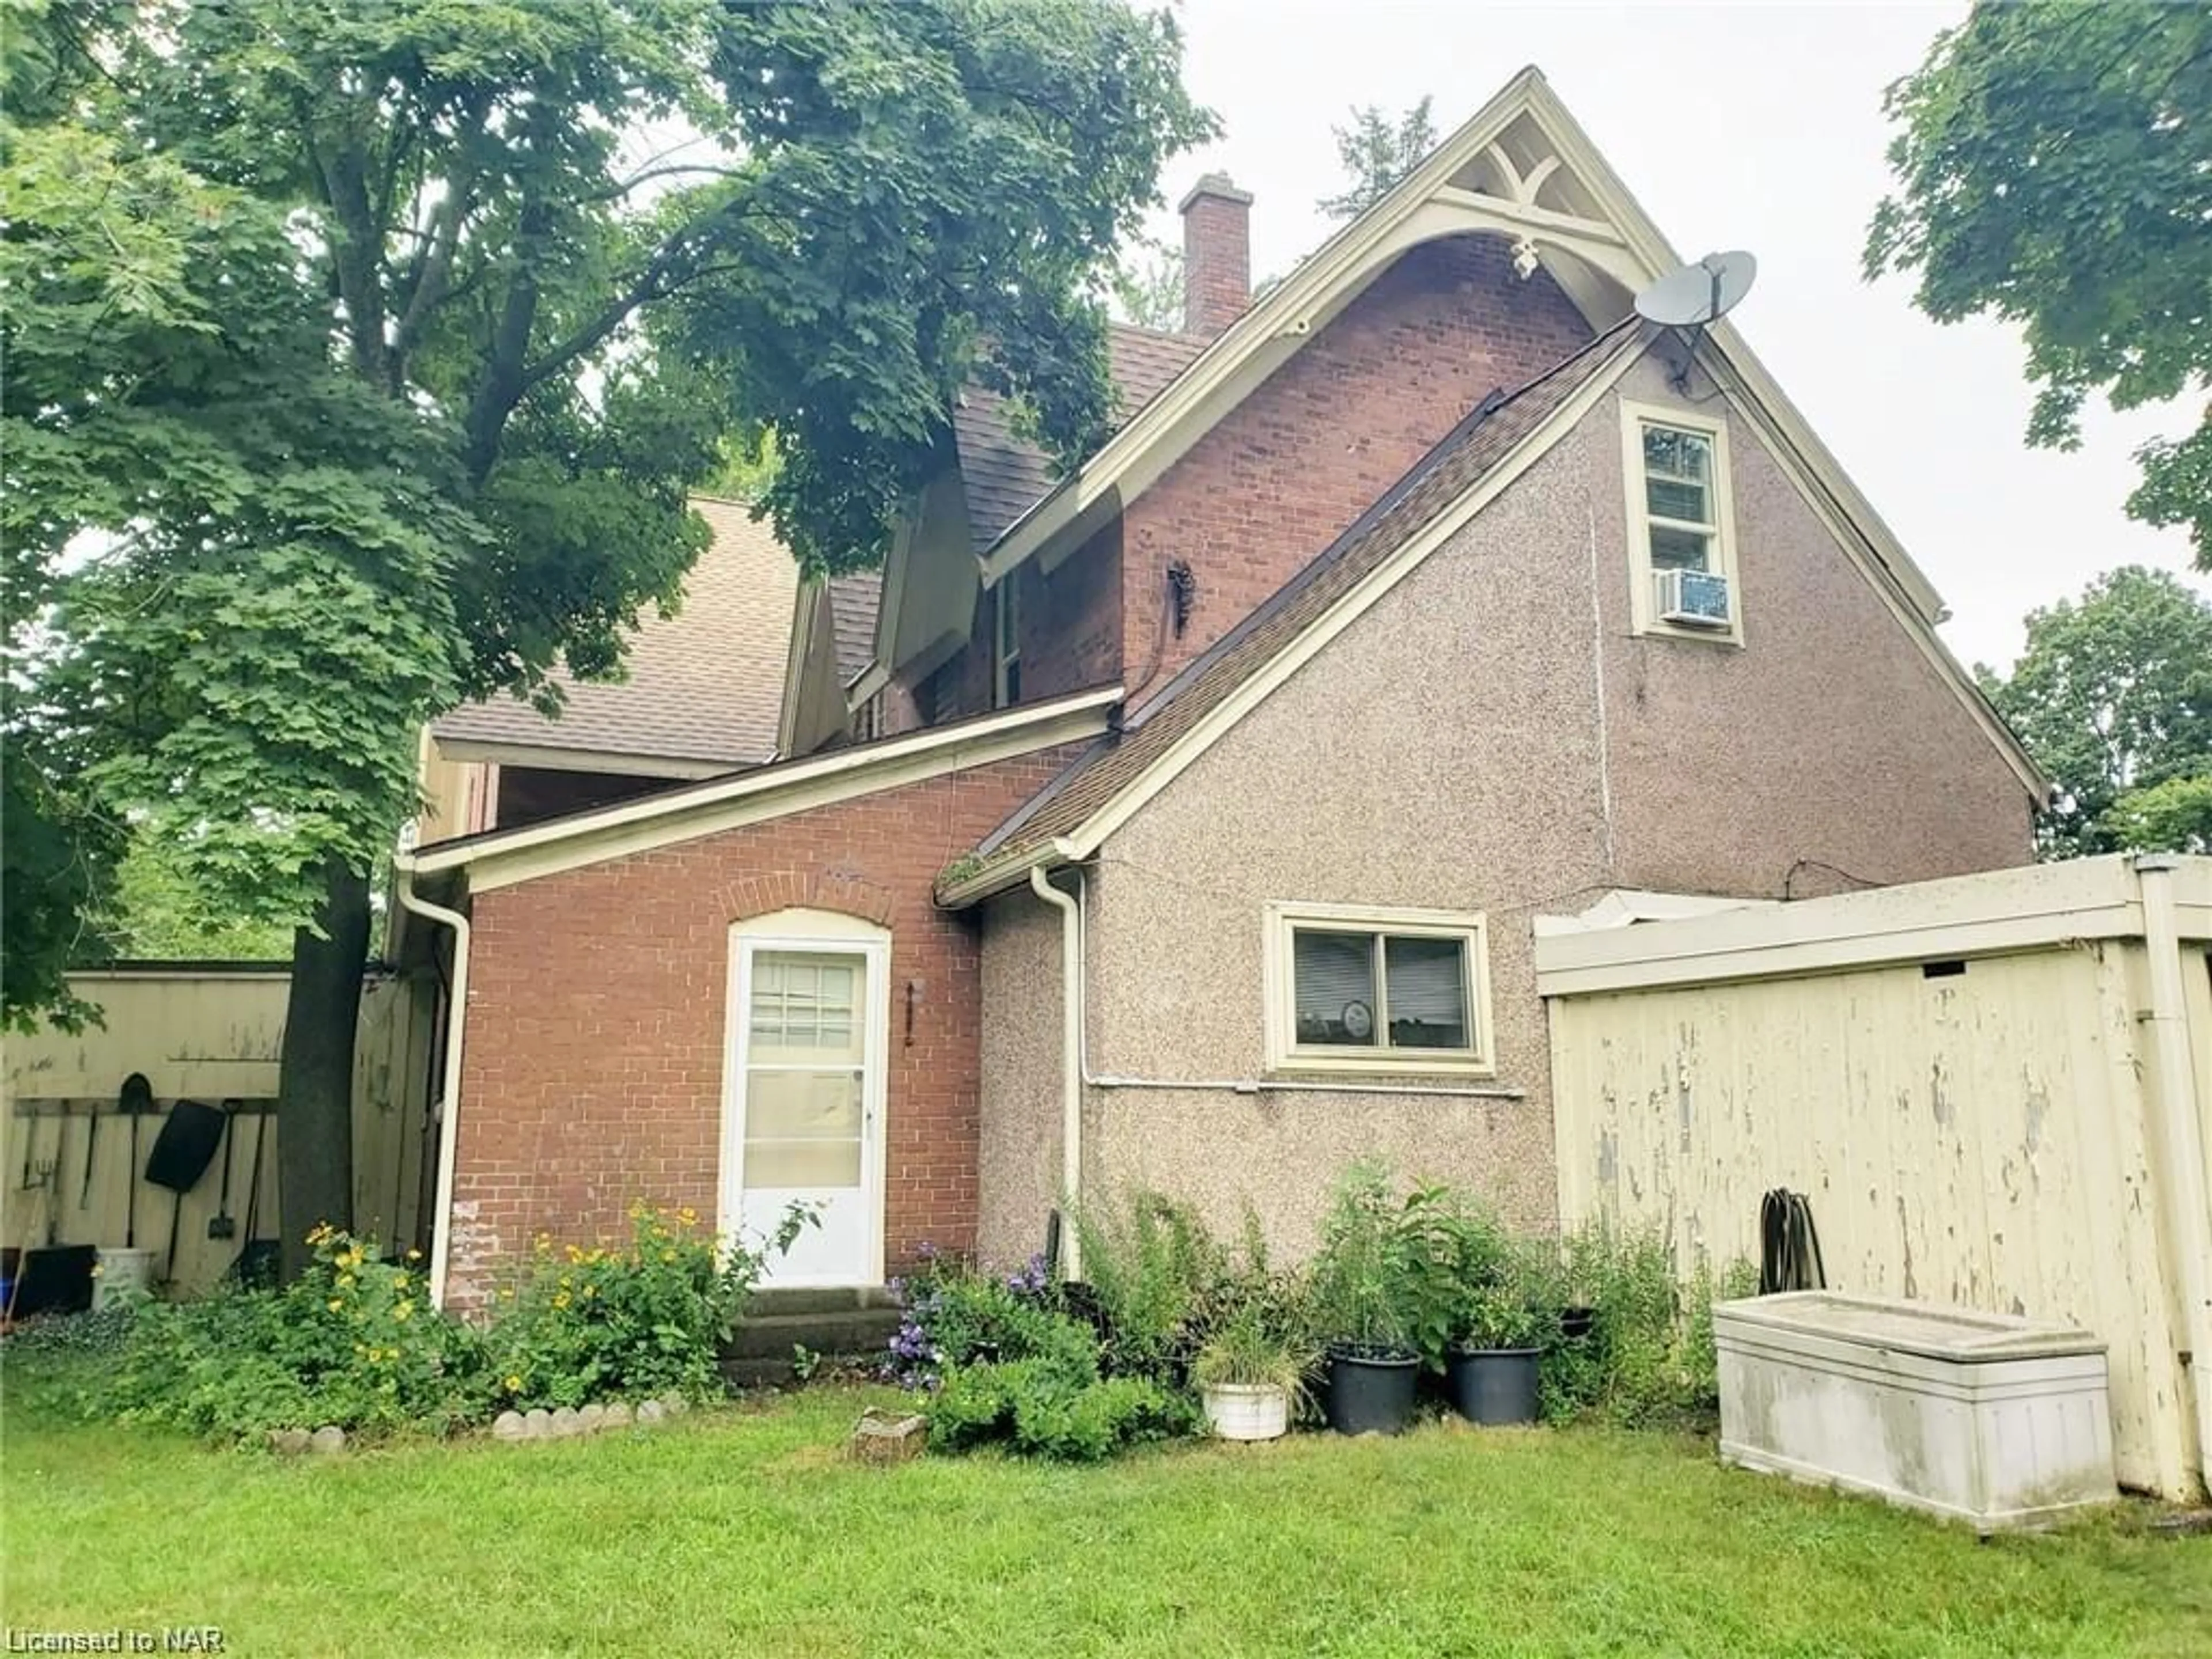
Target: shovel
(222, 1224)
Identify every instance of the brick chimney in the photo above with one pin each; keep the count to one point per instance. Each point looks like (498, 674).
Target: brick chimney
(1217, 255)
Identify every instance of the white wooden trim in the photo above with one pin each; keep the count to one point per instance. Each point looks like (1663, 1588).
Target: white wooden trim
(1644, 619)
(2035, 907)
(805, 932)
(551, 757)
(1278, 982)
(502, 859)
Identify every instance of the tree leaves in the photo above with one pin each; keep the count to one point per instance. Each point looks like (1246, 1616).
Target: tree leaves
(2055, 169)
(2112, 696)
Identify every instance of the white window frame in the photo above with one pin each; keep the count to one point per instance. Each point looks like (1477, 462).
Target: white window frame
(1284, 1052)
(1634, 418)
(1005, 639)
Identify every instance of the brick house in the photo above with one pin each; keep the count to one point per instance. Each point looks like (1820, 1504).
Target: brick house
(1184, 821)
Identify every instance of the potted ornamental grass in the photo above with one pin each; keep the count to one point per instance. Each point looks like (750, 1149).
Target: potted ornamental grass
(1360, 1286)
(1490, 1368)
(1249, 1376)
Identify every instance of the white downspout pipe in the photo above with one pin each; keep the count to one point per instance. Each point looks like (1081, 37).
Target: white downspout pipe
(449, 1100)
(2181, 1146)
(1071, 1064)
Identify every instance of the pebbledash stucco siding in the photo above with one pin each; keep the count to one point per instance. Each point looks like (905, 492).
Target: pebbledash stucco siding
(1018, 1150)
(1447, 751)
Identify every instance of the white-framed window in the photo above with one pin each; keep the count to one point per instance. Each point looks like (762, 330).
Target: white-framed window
(1354, 988)
(1006, 642)
(1682, 524)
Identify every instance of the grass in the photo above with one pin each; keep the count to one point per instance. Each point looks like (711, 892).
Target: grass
(743, 1532)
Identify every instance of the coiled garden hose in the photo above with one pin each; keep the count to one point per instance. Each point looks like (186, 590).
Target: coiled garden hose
(1788, 1244)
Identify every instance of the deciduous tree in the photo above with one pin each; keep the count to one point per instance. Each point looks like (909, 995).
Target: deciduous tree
(1376, 152)
(2113, 698)
(399, 401)
(2054, 169)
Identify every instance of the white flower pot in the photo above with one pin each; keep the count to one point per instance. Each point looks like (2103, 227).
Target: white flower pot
(1247, 1411)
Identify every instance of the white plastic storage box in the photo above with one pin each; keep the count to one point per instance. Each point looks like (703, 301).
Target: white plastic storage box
(2000, 1422)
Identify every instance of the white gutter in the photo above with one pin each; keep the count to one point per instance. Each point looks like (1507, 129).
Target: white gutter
(1071, 1061)
(457, 1009)
(2185, 1207)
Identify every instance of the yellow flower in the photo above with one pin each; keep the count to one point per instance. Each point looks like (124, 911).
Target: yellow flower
(514, 1385)
(414, 1254)
(402, 1310)
(561, 1298)
(575, 1255)
(345, 1281)
(687, 1216)
(590, 1291)
(668, 1256)
(400, 1282)
(336, 1303)
(507, 1296)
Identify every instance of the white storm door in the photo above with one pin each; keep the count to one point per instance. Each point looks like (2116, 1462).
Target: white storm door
(807, 1113)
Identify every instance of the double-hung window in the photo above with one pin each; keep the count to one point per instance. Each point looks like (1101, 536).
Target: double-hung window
(1680, 530)
(1358, 989)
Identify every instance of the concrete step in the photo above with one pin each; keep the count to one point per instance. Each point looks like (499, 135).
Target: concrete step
(854, 1333)
(773, 1303)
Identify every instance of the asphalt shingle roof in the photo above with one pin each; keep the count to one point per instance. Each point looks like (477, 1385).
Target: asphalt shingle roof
(705, 684)
(853, 601)
(1004, 475)
(1447, 472)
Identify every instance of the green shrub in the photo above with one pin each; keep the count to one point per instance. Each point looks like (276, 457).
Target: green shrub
(955, 1315)
(353, 1342)
(1152, 1269)
(1370, 1275)
(642, 1320)
(1648, 1360)
(1041, 1408)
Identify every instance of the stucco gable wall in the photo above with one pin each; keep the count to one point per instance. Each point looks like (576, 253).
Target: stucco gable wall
(1828, 737)
(1447, 751)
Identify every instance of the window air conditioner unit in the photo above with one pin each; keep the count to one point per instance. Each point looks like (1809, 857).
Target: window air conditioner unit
(1693, 599)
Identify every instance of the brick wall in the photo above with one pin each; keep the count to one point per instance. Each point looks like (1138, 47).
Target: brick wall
(1271, 486)
(1280, 477)
(594, 1056)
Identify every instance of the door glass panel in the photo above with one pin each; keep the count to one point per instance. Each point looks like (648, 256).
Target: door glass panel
(780, 1165)
(803, 1106)
(806, 1008)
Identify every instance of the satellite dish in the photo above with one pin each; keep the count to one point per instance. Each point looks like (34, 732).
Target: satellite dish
(1695, 294)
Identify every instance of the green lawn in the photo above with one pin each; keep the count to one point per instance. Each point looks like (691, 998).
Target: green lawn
(743, 1533)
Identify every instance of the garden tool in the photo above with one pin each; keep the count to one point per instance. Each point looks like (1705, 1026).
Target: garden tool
(257, 1256)
(222, 1224)
(181, 1154)
(91, 1146)
(134, 1101)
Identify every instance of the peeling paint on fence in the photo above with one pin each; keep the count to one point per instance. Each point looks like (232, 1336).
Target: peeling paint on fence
(1980, 1138)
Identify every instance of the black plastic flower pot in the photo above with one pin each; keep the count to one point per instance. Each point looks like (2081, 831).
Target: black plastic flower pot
(1575, 1323)
(1370, 1390)
(1493, 1386)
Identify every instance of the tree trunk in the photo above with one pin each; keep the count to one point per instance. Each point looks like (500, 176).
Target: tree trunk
(314, 1092)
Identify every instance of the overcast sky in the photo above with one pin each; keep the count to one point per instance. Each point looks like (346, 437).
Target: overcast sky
(1736, 126)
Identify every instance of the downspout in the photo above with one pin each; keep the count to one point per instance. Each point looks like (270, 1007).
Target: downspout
(2189, 1212)
(457, 1009)
(1071, 1061)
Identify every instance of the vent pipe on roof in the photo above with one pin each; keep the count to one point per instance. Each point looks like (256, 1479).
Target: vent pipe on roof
(1217, 255)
